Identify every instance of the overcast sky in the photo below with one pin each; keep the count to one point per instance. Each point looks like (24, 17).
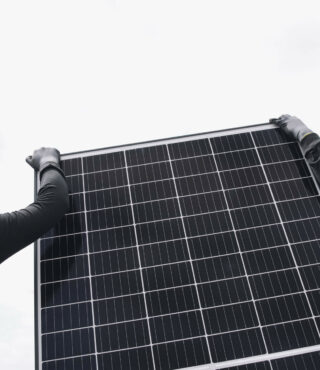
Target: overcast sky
(79, 75)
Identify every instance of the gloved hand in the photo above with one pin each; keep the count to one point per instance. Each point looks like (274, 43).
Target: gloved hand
(292, 126)
(43, 158)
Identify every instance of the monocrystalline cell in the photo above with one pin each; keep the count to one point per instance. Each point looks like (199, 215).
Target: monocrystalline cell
(244, 343)
(265, 214)
(304, 230)
(114, 261)
(76, 203)
(300, 209)
(64, 268)
(75, 183)
(63, 246)
(119, 309)
(67, 317)
(167, 276)
(187, 149)
(208, 182)
(213, 245)
(238, 159)
(69, 224)
(307, 253)
(123, 335)
(270, 137)
(224, 292)
(145, 155)
(287, 336)
(250, 196)
(181, 354)
(283, 309)
(103, 162)
(293, 189)
(136, 358)
(177, 326)
(115, 238)
(72, 166)
(261, 237)
(266, 260)
(287, 170)
(218, 268)
(275, 283)
(163, 253)
(229, 318)
(310, 361)
(152, 191)
(202, 203)
(105, 179)
(193, 166)
(149, 172)
(280, 153)
(173, 300)
(238, 178)
(107, 198)
(230, 143)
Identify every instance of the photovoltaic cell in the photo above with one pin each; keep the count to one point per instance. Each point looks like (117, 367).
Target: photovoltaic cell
(200, 253)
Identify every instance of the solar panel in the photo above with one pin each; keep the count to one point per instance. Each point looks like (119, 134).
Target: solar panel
(198, 252)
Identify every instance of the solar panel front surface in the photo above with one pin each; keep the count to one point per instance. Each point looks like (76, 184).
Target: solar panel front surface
(196, 252)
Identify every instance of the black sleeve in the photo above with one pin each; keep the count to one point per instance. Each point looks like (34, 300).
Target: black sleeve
(311, 150)
(20, 228)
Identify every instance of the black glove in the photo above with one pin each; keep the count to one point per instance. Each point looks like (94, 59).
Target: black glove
(292, 126)
(43, 158)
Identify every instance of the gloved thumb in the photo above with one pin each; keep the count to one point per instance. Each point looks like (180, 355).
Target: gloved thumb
(29, 160)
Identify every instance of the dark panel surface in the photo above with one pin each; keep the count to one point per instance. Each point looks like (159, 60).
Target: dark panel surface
(184, 253)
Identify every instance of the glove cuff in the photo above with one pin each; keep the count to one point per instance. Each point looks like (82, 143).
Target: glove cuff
(46, 165)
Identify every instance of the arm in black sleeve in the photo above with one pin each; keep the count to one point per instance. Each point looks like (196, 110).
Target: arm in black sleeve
(20, 228)
(310, 145)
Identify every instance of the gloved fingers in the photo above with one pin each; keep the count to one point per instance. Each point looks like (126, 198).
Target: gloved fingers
(285, 118)
(29, 160)
(42, 156)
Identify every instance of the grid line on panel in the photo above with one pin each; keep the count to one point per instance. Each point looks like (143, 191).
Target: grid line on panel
(240, 252)
(287, 238)
(190, 259)
(190, 237)
(204, 283)
(206, 173)
(195, 194)
(183, 262)
(230, 363)
(180, 312)
(200, 214)
(140, 266)
(150, 244)
(201, 173)
(89, 268)
(175, 218)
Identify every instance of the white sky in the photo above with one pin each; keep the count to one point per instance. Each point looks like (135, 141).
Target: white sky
(80, 74)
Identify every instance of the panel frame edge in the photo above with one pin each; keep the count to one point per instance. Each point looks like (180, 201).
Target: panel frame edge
(36, 293)
(122, 147)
